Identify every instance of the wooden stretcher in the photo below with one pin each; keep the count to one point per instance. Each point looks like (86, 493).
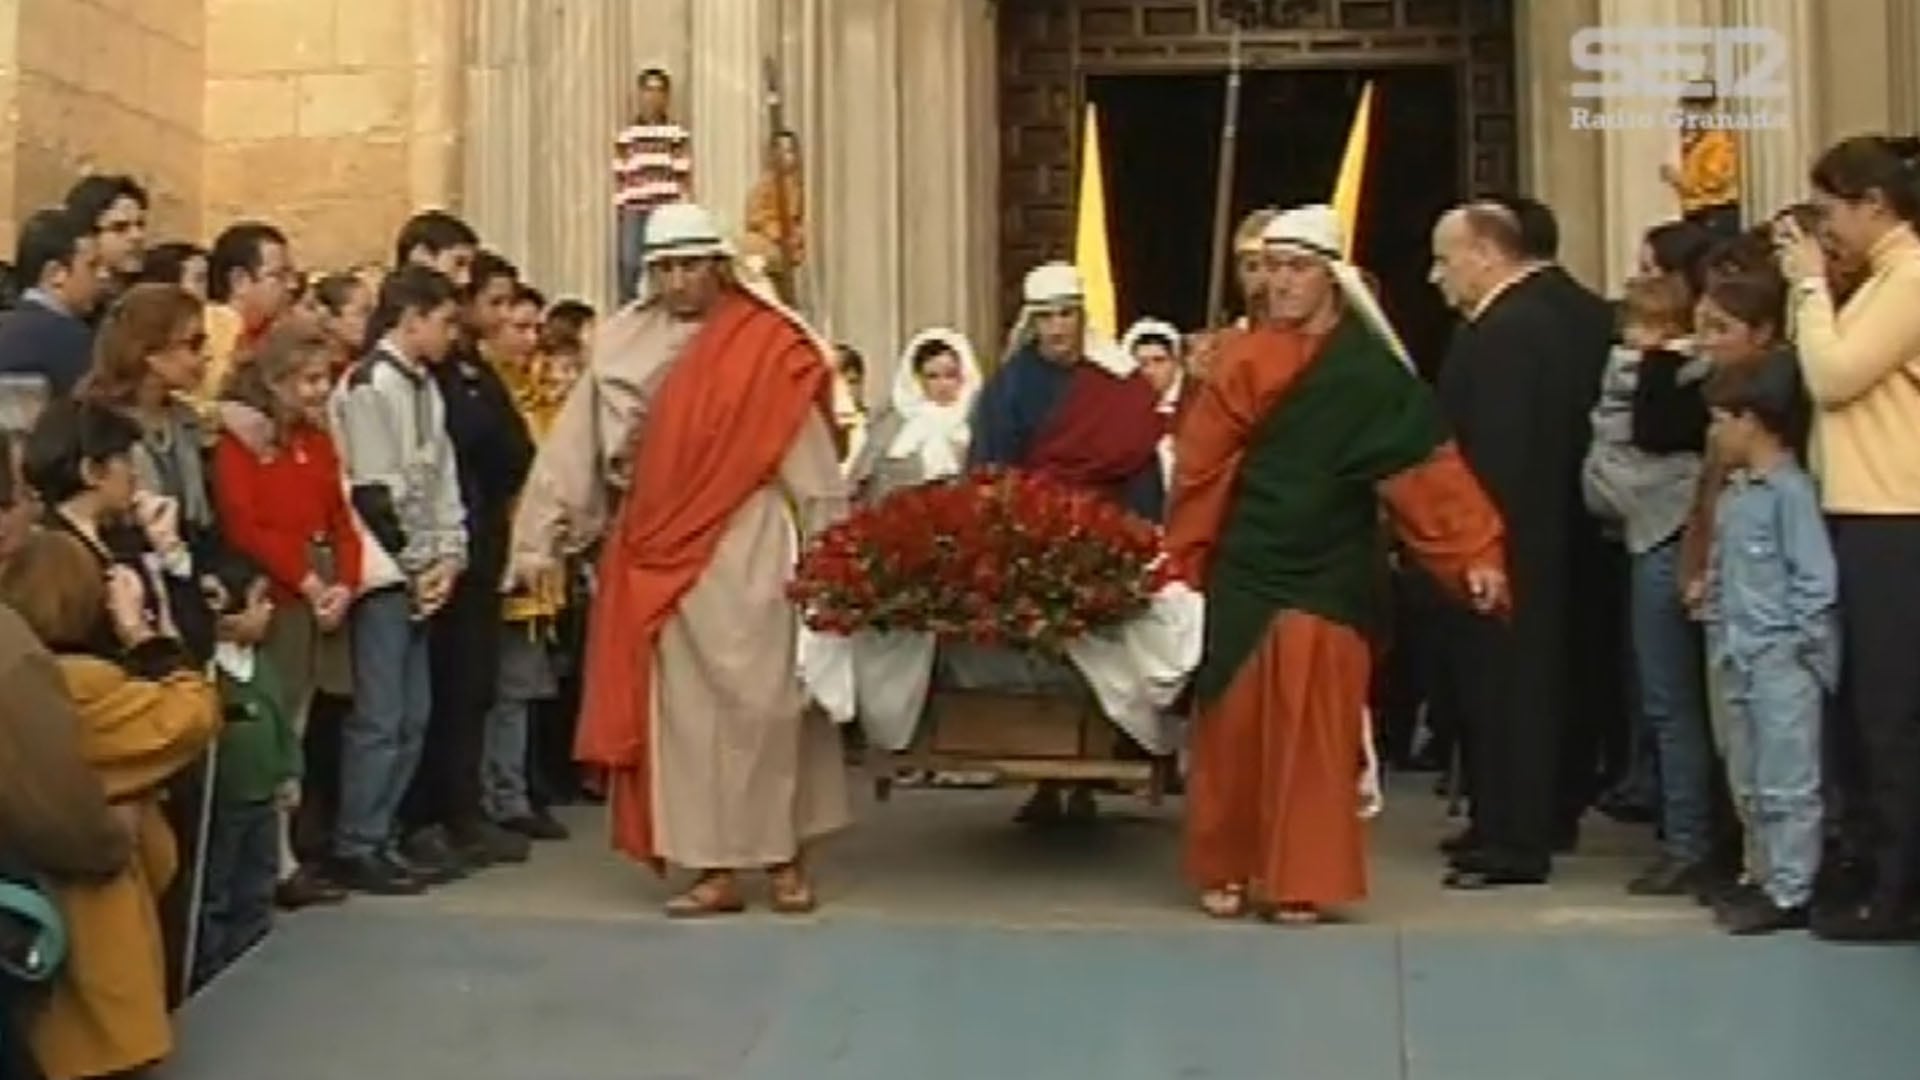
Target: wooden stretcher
(1023, 738)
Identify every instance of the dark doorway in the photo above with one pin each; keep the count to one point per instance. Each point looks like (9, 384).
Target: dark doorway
(1162, 139)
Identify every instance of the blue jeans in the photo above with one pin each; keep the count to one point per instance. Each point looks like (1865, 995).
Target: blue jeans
(1774, 703)
(1666, 652)
(381, 739)
(630, 242)
(243, 866)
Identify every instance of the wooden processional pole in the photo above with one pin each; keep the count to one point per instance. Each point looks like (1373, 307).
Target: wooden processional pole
(1223, 191)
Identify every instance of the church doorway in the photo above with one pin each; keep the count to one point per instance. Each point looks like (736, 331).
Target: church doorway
(1161, 136)
(1444, 128)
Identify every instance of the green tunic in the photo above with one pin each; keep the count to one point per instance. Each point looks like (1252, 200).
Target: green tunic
(1303, 530)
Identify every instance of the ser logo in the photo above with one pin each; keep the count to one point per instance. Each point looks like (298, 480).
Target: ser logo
(1668, 61)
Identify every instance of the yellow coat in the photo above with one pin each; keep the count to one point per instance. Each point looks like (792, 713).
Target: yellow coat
(538, 401)
(108, 1009)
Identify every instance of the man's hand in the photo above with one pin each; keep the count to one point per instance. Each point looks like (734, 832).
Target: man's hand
(527, 570)
(1487, 590)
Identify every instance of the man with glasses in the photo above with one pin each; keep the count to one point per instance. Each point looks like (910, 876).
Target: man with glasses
(250, 278)
(47, 335)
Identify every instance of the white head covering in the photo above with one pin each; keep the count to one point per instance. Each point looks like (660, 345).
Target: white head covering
(1158, 330)
(1315, 230)
(684, 230)
(1050, 287)
(936, 434)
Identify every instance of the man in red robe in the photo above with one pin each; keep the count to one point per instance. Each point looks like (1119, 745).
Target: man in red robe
(1312, 420)
(694, 445)
(1075, 408)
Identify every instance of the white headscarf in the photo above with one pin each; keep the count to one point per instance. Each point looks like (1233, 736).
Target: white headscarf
(1315, 230)
(1158, 330)
(1050, 287)
(935, 434)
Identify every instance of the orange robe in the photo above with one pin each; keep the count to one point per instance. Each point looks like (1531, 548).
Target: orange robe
(1273, 794)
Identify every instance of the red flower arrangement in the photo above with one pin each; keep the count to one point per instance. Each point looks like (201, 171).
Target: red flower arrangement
(996, 557)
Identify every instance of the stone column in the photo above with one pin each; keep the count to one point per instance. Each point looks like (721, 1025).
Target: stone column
(1635, 197)
(1773, 161)
(857, 167)
(726, 102)
(1562, 162)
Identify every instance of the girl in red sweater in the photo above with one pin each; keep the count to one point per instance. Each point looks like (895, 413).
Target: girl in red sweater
(278, 490)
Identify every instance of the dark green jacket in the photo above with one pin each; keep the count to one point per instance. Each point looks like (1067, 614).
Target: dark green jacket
(259, 750)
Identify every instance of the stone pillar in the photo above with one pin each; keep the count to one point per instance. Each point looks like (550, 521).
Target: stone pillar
(1853, 64)
(858, 167)
(1562, 162)
(1635, 197)
(726, 102)
(1773, 161)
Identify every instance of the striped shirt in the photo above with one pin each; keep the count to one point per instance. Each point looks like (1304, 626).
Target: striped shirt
(652, 165)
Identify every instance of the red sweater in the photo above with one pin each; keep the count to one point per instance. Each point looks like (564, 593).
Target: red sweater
(272, 507)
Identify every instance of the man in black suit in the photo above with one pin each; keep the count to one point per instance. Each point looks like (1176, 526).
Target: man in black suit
(1517, 389)
(1596, 739)
(47, 334)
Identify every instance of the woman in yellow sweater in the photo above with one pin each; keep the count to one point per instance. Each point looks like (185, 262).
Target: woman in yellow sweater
(1861, 362)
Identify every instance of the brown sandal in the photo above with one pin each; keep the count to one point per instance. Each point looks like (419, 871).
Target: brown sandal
(792, 893)
(714, 894)
(1225, 902)
(1295, 915)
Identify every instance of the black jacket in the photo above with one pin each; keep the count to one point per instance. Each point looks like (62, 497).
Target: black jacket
(494, 451)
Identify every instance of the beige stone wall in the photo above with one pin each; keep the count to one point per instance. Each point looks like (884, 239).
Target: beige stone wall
(132, 105)
(334, 119)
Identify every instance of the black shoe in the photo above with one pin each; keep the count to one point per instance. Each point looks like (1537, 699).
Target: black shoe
(1460, 843)
(1667, 877)
(306, 888)
(377, 875)
(431, 858)
(1864, 924)
(1728, 896)
(1717, 890)
(1479, 879)
(1477, 870)
(1755, 914)
(539, 825)
(1623, 811)
(1082, 807)
(485, 844)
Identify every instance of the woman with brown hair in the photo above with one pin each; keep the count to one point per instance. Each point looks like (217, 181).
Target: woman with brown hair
(107, 1011)
(150, 353)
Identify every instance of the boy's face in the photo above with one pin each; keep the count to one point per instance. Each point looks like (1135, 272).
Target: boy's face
(1734, 436)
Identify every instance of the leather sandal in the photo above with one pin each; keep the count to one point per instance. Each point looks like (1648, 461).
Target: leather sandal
(792, 893)
(713, 894)
(1225, 902)
(1295, 915)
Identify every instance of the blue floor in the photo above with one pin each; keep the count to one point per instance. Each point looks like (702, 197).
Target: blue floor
(373, 994)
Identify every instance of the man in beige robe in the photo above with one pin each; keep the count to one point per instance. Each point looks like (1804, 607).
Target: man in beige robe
(696, 443)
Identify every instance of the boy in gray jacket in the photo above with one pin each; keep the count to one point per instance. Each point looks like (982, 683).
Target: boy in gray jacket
(390, 422)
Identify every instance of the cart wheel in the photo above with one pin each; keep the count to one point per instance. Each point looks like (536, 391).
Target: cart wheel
(882, 788)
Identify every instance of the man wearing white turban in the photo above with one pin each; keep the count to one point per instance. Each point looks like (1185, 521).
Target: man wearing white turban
(1068, 404)
(1310, 421)
(702, 419)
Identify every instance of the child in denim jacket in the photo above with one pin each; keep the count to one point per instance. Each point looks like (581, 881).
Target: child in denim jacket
(1771, 607)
